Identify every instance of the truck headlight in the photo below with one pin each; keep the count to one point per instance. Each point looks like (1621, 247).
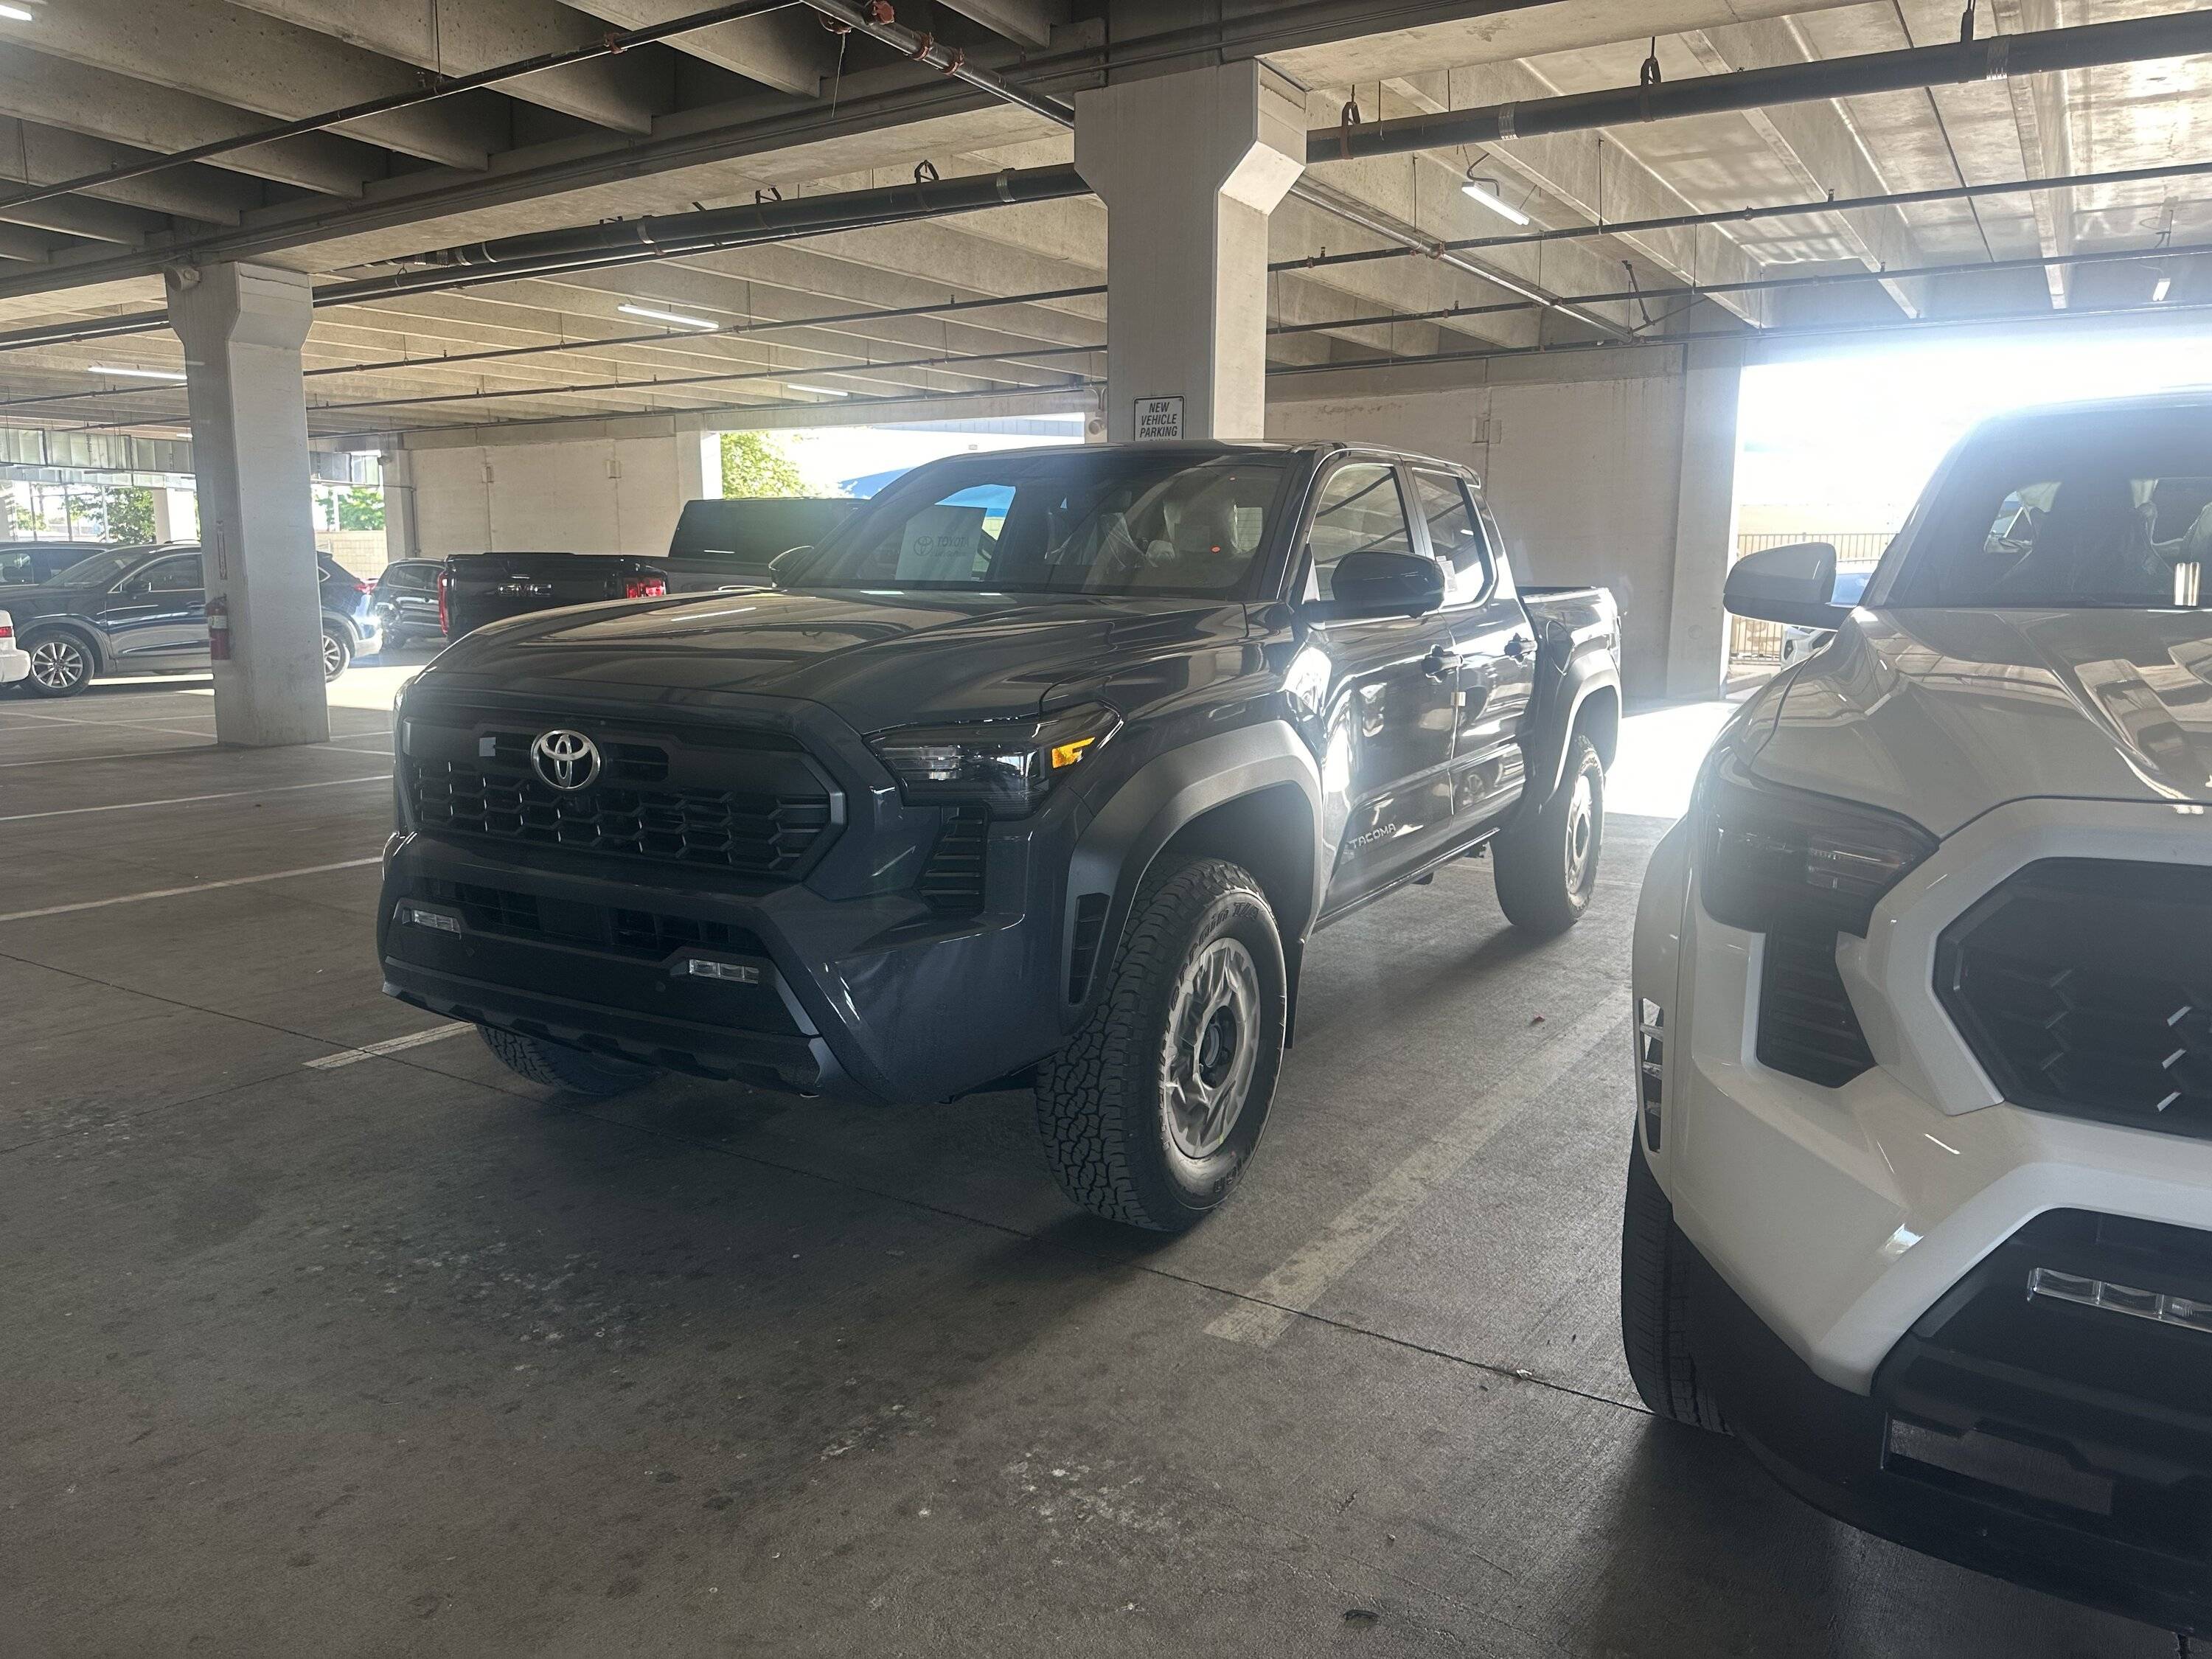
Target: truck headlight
(1009, 765)
(1770, 856)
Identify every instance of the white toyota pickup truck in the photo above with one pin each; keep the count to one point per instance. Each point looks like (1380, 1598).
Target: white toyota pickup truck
(1920, 1202)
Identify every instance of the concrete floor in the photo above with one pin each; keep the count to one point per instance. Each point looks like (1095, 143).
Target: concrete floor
(311, 1352)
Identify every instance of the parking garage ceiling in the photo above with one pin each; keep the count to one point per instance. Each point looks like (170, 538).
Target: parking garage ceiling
(1636, 228)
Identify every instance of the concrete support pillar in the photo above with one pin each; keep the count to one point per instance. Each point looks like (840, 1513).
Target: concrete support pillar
(1705, 521)
(242, 327)
(176, 516)
(400, 538)
(698, 467)
(1190, 166)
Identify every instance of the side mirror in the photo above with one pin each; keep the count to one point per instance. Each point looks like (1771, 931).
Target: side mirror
(1364, 586)
(789, 562)
(1794, 584)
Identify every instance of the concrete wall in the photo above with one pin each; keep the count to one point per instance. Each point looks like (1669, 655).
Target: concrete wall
(1585, 472)
(588, 496)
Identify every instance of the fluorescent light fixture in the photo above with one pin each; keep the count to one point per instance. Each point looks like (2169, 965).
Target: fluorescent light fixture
(1482, 191)
(2164, 288)
(17, 14)
(137, 374)
(667, 317)
(821, 391)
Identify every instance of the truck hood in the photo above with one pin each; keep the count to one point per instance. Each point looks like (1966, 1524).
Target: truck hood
(1941, 715)
(878, 659)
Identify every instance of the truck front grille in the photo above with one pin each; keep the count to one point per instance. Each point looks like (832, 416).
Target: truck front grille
(2084, 987)
(745, 803)
(724, 828)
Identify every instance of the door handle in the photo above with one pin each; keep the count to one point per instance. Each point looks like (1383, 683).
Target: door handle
(1516, 647)
(1437, 665)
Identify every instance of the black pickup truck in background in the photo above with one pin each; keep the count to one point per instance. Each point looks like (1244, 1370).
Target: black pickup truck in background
(732, 542)
(476, 589)
(1042, 767)
(718, 544)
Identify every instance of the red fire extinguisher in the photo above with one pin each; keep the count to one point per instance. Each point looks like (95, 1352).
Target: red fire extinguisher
(218, 621)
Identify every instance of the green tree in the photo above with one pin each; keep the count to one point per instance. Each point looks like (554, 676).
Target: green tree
(130, 514)
(361, 509)
(757, 464)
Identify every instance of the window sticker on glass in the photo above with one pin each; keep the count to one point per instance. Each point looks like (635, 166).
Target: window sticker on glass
(940, 544)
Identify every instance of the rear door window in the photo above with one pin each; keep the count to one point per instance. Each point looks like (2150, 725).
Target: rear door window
(1454, 535)
(178, 576)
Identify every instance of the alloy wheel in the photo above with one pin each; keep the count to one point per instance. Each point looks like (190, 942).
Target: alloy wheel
(59, 664)
(1213, 1048)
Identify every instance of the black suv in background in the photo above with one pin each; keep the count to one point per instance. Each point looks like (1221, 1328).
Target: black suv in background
(30, 563)
(404, 602)
(143, 610)
(1042, 766)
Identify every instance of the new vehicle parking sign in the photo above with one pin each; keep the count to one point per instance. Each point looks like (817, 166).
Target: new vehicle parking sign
(1159, 419)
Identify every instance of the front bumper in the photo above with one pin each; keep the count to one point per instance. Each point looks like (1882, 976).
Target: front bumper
(2040, 1482)
(869, 997)
(1839, 1229)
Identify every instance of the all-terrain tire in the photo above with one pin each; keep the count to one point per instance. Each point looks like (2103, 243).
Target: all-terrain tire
(559, 1066)
(1104, 1102)
(1546, 862)
(1654, 1304)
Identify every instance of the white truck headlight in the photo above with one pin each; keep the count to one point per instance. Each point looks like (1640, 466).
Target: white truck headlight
(1770, 856)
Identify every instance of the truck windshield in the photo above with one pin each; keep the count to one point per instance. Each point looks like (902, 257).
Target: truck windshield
(2104, 510)
(1072, 521)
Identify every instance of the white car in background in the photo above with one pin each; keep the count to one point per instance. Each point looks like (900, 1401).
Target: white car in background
(15, 662)
(1800, 642)
(1920, 1199)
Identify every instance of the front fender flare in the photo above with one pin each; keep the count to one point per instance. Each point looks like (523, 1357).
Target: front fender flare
(1169, 792)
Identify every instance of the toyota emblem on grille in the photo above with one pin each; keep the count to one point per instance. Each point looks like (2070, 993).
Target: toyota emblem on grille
(567, 760)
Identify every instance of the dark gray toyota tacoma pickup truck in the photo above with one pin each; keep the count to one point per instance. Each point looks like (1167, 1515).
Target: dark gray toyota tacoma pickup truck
(1043, 767)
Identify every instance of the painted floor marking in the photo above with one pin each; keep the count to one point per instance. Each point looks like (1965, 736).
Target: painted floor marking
(1294, 1287)
(389, 1045)
(187, 800)
(197, 887)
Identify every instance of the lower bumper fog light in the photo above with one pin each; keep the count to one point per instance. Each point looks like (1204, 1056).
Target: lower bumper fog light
(736, 972)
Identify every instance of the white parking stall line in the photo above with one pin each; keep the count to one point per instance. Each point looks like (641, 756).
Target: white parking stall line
(197, 887)
(128, 754)
(1300, 1283)
(129, 725)
(389, 1045)
(187, 800)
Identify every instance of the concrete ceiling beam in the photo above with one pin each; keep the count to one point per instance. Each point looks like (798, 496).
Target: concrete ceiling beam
(787, 50)
(100, 103)
(1821, 145)
(1592, 177)
(80, 215)
(2039, 112)
(1029, 22)
(31, 247)
(34, 155)
(241, 57)
(623, 92)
